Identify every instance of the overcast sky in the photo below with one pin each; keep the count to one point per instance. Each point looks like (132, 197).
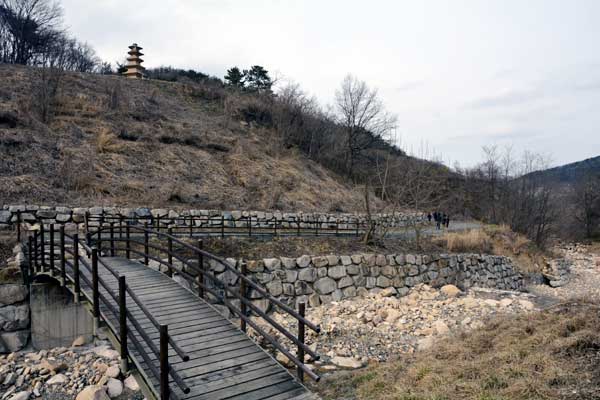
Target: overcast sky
(459, 74)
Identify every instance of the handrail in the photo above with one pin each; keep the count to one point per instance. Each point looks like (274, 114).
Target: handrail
(245, 226)
(226, 264)
(70, 248)
(111, 244)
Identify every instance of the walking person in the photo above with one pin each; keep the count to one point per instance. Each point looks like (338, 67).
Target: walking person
(437, 220)
(429, 217)
(447, 221)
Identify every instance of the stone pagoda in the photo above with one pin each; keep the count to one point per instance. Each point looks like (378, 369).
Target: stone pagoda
(134, 63)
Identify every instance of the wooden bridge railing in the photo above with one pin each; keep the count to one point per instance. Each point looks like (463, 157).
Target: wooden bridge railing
(135, 239)
(43, 257)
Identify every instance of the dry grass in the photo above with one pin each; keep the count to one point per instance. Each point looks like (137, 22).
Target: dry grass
(499, 240)
(471, 241)
(106, 142)
(547, 355)
(134, 136)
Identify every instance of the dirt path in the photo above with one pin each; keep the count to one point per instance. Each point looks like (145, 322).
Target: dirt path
(430, 230)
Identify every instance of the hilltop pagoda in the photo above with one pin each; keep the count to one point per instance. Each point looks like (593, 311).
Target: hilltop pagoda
(134, 63)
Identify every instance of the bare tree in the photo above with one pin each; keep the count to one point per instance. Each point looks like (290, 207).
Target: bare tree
(586, 196)
(28, 26)
(363, 117)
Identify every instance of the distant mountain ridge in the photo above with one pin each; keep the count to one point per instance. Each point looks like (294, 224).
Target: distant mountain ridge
(570, 173)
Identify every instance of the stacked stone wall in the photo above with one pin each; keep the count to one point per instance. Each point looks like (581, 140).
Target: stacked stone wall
(321, 279)
(32, 214)
(14, 310)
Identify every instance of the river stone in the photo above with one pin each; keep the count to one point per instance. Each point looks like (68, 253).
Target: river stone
(131, 384)
(114, 387)
(346, 362)
(346, 260)
(94, 392)
(24, 395)
(325, 285)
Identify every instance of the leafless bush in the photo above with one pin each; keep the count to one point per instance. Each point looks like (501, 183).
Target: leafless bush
(44, 88)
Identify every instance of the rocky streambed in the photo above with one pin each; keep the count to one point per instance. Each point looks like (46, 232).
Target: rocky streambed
(78, 372)
(379, 327)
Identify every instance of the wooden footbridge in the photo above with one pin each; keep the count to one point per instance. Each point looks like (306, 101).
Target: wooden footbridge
(180, 344)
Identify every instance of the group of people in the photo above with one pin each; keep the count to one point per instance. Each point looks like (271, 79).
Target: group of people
(440, 219)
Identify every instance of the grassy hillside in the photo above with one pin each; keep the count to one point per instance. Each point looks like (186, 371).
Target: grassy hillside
(131, 142)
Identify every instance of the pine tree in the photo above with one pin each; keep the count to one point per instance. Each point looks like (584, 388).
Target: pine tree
(234, 77)
(257, 79)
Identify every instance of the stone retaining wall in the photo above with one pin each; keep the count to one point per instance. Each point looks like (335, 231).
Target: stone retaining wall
(14, 310)
(322, 279)
(31, 214)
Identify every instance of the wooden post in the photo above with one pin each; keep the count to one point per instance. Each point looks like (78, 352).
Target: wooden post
(127, 242)
(123, 322)
(112, 239)
(121, 226)
(99, 244)
(357, 227)
(170, 252)
(298, 228)
(35, 250)
(43, 248)
(201, 269)
(158, 223)
(250, 225)
(317, 227)
(243, 292)
(146, 240)
(95, 290)
(86, 221)
(30, 256)
(191, 226)
(222, 226)
(51, 249)
(19, 226)
(301, 311)
(164, 362)
(77, 287)
(337, 227)
(63, 272)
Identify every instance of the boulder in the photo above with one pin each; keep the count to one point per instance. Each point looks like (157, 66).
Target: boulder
(131, 384)
(307, 275)
(58, 379)
(94, 392)
(337, 272)
(13, 341)
(303, 261)
(288, 263)
(450, 290)
(346, 362)
(24, 395)
(114, 387)
(272, 263)
(113, 371)
(325, 285)
(12, 293)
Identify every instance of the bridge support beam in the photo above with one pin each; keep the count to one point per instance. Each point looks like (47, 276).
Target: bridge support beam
(56, 321)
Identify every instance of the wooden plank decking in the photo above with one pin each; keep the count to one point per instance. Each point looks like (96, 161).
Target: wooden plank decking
(224, 363)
